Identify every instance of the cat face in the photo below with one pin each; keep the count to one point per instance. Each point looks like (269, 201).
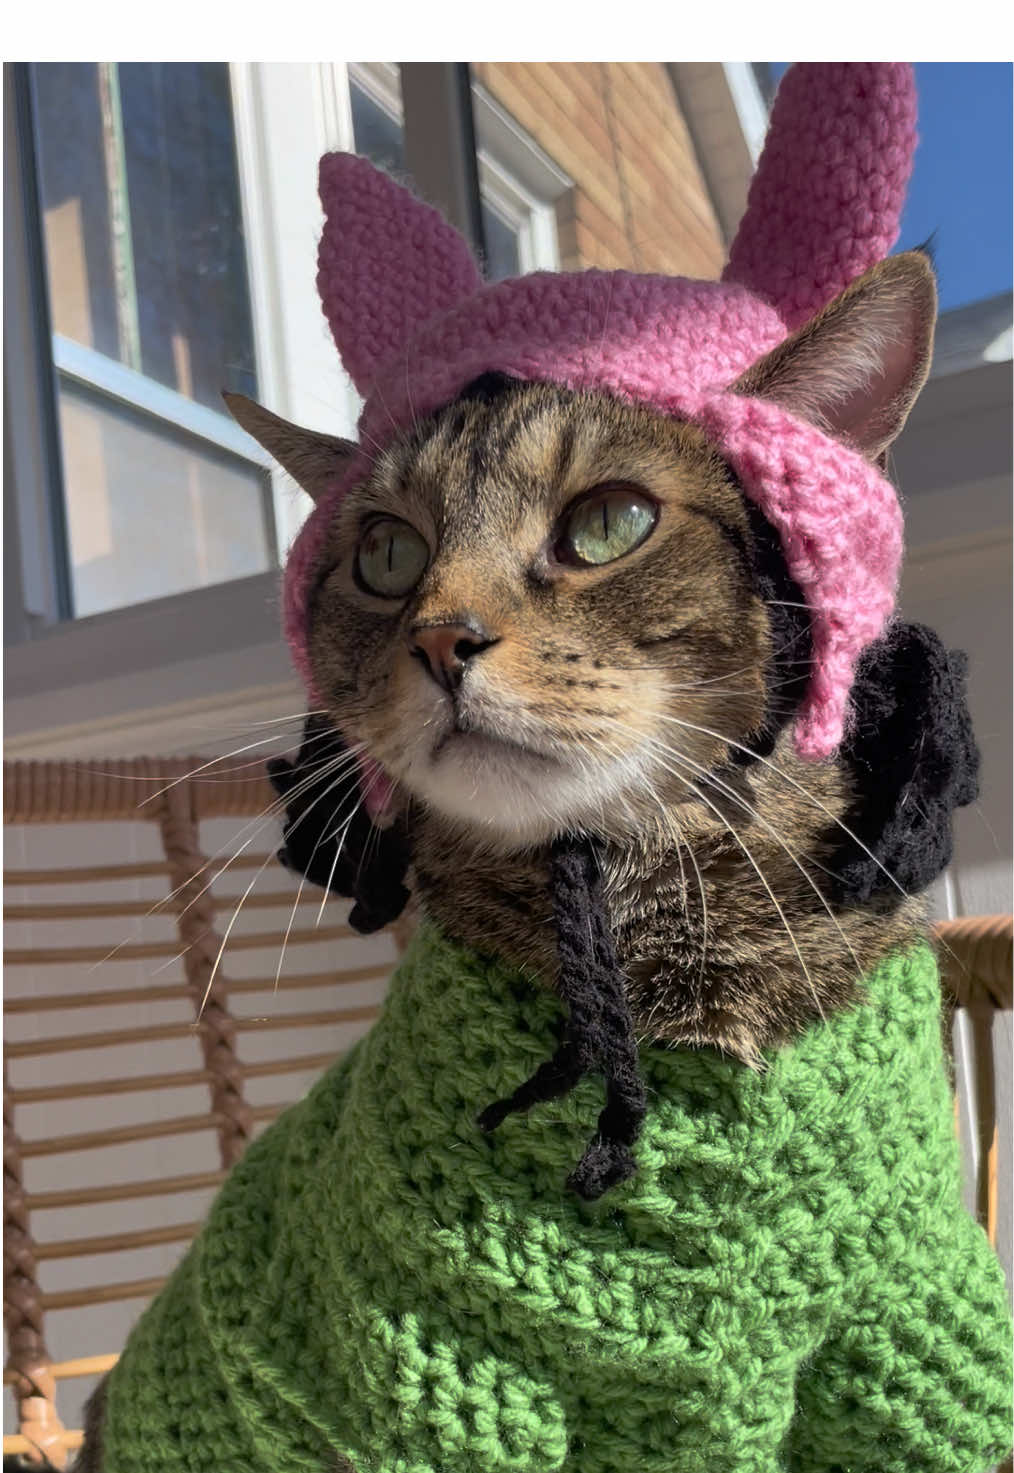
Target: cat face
(523, 600)
(534, 592)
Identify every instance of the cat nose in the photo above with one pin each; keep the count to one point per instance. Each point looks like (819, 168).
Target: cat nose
(445, 649)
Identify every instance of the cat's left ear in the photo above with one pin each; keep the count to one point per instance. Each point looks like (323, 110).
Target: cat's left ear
(856, 369)
(313, 460)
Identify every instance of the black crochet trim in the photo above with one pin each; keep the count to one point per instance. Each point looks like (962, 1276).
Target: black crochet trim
(791, 639)
(598, 1034)
(330, 838)
(914, 759)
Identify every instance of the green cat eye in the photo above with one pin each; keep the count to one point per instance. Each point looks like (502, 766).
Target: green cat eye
(603, 526)
(391, 558)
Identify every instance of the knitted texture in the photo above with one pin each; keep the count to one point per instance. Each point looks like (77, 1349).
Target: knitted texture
(414, 326)
(390, 271)
(599, 1031)
(826, 199)
(789, 1282)
(327, 836)
(914, 759)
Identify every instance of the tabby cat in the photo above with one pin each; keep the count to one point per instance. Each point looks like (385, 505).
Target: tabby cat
(547, 615)
(547, 610)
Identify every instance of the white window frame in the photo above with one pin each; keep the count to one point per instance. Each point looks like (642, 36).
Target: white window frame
(286, 115)
(520, 181)
(123, 385)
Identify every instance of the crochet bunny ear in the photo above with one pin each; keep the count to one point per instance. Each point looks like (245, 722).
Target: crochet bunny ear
(826, 200)
(387, 263)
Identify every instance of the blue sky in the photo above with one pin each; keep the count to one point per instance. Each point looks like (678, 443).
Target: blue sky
(961, 185)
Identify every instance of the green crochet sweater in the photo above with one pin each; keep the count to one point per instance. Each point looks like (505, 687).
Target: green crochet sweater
(789, 1282)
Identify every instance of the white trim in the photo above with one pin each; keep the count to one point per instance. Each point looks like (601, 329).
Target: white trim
(116, 381)
(531, 218)
(286, 116)
(520, 181)
(381, 82)
(515, 150)
(749, 104)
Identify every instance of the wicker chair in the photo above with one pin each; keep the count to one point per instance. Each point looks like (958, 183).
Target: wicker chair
(213, 1025)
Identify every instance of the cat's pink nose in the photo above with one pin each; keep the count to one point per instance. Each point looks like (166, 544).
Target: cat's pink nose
(445, 649)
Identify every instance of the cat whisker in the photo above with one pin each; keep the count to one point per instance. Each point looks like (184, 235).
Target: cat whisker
(299, 891)
(811, 797)
(222, 757)
(738, 839)
(681, 842)
(341, 840)
(336, 765)
(779, 839)
(235, 915)
(257, 823)
(763, 879)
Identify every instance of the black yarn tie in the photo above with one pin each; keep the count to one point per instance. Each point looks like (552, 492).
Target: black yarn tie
(598, 1033)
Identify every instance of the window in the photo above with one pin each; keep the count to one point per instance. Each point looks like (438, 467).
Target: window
(161, 224)
(517, 183)
(375, 100)
(150, 312)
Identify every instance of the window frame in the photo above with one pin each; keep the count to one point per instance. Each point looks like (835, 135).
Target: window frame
(285, 115)
(518, 180)
(121, 384)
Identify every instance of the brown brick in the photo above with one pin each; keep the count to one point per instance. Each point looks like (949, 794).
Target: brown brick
(613, 237)
(658, 215)
(581, 152)
(594, 253)
(651, 177)
(585, 80)
(645, 93)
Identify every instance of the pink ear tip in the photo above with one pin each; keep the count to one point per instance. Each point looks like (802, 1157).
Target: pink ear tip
(341, 172)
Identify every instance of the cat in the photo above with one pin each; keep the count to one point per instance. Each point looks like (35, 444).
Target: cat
(576, 624)
(516, 687)
(549, 609)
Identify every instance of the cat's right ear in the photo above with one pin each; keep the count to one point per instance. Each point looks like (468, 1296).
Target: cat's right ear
(314, 460)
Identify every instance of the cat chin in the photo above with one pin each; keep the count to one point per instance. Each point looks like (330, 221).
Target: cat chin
(521, 798)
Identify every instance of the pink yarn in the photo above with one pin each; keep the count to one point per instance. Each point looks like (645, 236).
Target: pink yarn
(414, 326)
(388, 264)
(826, 199)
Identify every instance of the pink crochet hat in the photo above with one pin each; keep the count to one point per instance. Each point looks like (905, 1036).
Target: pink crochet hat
(414, 324)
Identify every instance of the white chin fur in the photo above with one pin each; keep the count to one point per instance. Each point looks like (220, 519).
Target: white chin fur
(520, 798)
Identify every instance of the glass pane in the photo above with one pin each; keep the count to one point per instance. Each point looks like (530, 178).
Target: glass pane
(144, 234)
(377, 135)
(502, 258)
(381, 138)
(153, 511)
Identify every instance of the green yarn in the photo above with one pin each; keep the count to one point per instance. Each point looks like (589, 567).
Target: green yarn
(788, 1284)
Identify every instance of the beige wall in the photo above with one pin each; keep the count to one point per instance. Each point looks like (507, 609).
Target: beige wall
(639, 200)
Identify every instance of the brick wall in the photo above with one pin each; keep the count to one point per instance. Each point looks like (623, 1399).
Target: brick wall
(639, 200)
